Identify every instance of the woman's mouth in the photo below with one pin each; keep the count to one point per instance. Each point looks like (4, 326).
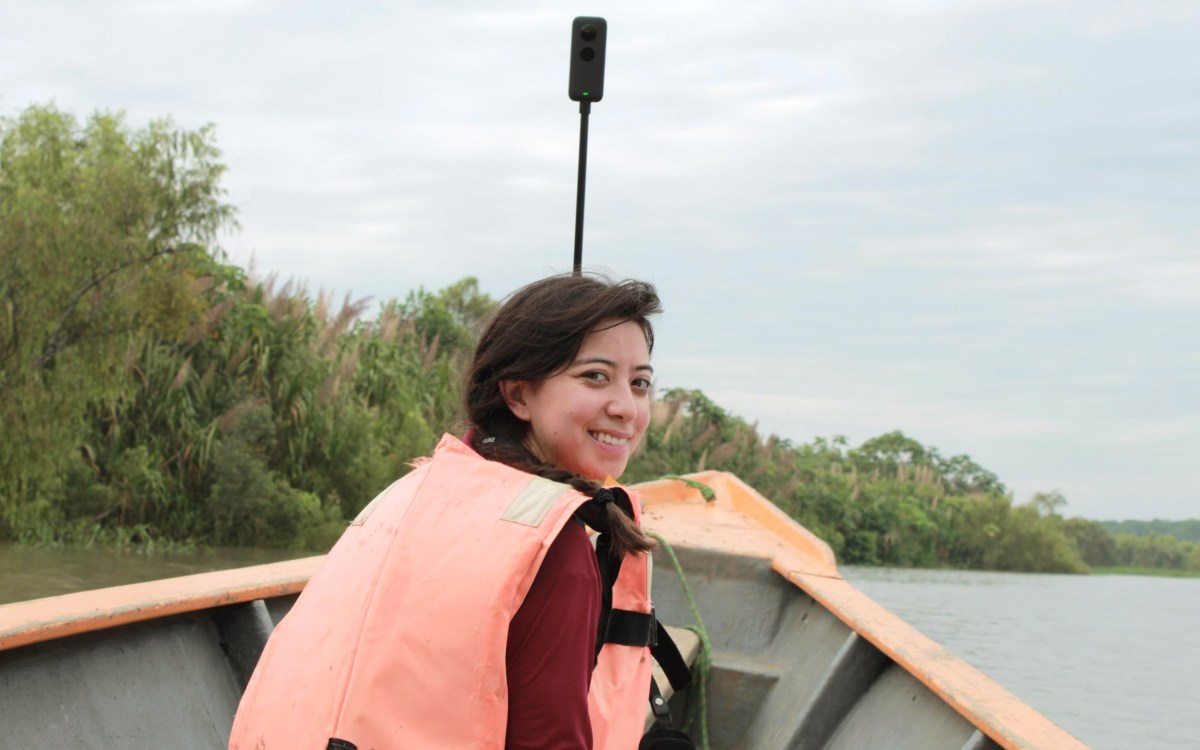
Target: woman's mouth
(607, 439)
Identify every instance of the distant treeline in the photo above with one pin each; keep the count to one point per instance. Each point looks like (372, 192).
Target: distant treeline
(152, 394)
(1184, 531)
(893, 501)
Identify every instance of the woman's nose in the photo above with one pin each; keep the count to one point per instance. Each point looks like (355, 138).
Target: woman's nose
(622, 405)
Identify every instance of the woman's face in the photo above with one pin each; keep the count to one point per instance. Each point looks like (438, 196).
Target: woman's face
(589, 418)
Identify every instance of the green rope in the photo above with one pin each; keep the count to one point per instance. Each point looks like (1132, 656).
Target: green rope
(708, 492)
(697, 710)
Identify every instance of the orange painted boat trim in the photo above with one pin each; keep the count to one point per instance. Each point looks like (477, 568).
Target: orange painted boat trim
(742, 521)
(55, 617)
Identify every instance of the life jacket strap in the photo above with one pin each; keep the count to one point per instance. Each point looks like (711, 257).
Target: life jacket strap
(667, 654)
(628, 628)
(658, 705)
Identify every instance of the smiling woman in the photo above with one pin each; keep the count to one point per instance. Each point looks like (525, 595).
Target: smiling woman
(579, 345)
(463, 606)
(591, 416)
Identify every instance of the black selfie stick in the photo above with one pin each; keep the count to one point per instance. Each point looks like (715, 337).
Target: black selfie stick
(586, 85)
(585, 109)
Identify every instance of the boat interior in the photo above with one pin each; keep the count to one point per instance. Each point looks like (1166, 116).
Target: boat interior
(787, 674)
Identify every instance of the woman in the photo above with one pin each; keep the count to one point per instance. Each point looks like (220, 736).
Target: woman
(461, 608)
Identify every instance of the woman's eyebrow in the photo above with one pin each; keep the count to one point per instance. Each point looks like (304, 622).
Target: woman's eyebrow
(609, 362)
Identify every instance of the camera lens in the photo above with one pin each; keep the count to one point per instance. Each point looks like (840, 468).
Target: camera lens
(588, 32)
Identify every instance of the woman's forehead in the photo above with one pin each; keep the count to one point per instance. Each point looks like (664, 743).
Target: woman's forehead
(624, 336)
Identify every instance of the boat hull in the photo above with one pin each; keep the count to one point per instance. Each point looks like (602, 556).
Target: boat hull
(799, 658)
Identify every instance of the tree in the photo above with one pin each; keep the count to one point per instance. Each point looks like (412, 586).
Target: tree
(105, 232)
(451, 316)
(1031, 542)
(1048, 504)
(887, 452)
(963, 476)
(1095, 546)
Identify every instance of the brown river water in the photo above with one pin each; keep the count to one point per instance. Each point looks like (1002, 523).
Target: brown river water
(1115, 660)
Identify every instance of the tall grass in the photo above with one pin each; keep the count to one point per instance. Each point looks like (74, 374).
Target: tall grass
(270, 421)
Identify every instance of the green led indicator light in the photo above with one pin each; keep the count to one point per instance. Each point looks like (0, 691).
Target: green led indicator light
(585, 93)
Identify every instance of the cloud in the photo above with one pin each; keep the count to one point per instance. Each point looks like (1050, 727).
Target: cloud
(1055, 250)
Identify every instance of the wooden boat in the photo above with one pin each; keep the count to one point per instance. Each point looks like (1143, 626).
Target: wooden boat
(799, 658)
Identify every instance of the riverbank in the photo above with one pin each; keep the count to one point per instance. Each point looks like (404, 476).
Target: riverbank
(1121, 570)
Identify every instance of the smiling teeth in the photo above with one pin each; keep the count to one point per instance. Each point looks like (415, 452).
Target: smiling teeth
(609, 439)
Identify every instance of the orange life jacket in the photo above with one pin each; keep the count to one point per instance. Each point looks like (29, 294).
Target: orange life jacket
(398, 641)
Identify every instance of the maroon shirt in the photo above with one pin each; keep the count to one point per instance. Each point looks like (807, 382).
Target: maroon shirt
(552, 649)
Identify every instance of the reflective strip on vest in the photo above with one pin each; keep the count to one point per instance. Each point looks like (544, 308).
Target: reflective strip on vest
(535, 501)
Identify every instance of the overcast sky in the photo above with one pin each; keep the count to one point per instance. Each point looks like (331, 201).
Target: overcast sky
(976, 222)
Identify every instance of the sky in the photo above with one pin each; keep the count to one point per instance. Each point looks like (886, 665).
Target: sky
(974, 222)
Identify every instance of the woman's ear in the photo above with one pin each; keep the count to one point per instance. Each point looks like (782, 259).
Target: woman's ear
(514, 395)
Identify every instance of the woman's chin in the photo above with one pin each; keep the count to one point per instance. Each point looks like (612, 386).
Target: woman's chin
(603, 471)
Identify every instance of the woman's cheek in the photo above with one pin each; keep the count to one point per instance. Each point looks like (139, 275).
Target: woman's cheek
(643, 422)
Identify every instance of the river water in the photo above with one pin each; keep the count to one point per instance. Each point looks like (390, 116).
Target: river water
(33, 572)
(1114, 660)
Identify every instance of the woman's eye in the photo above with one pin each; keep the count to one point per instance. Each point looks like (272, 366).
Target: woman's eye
(594, 376)
(642, 384)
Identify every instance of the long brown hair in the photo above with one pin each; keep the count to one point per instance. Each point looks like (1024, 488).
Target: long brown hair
(536, 333)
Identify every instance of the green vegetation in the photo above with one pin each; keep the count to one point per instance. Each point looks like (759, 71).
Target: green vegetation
(105, 232)
(891, 501)
(152, 394)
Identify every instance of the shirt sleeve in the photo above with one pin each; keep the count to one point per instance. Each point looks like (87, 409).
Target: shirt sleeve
(552, 649)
